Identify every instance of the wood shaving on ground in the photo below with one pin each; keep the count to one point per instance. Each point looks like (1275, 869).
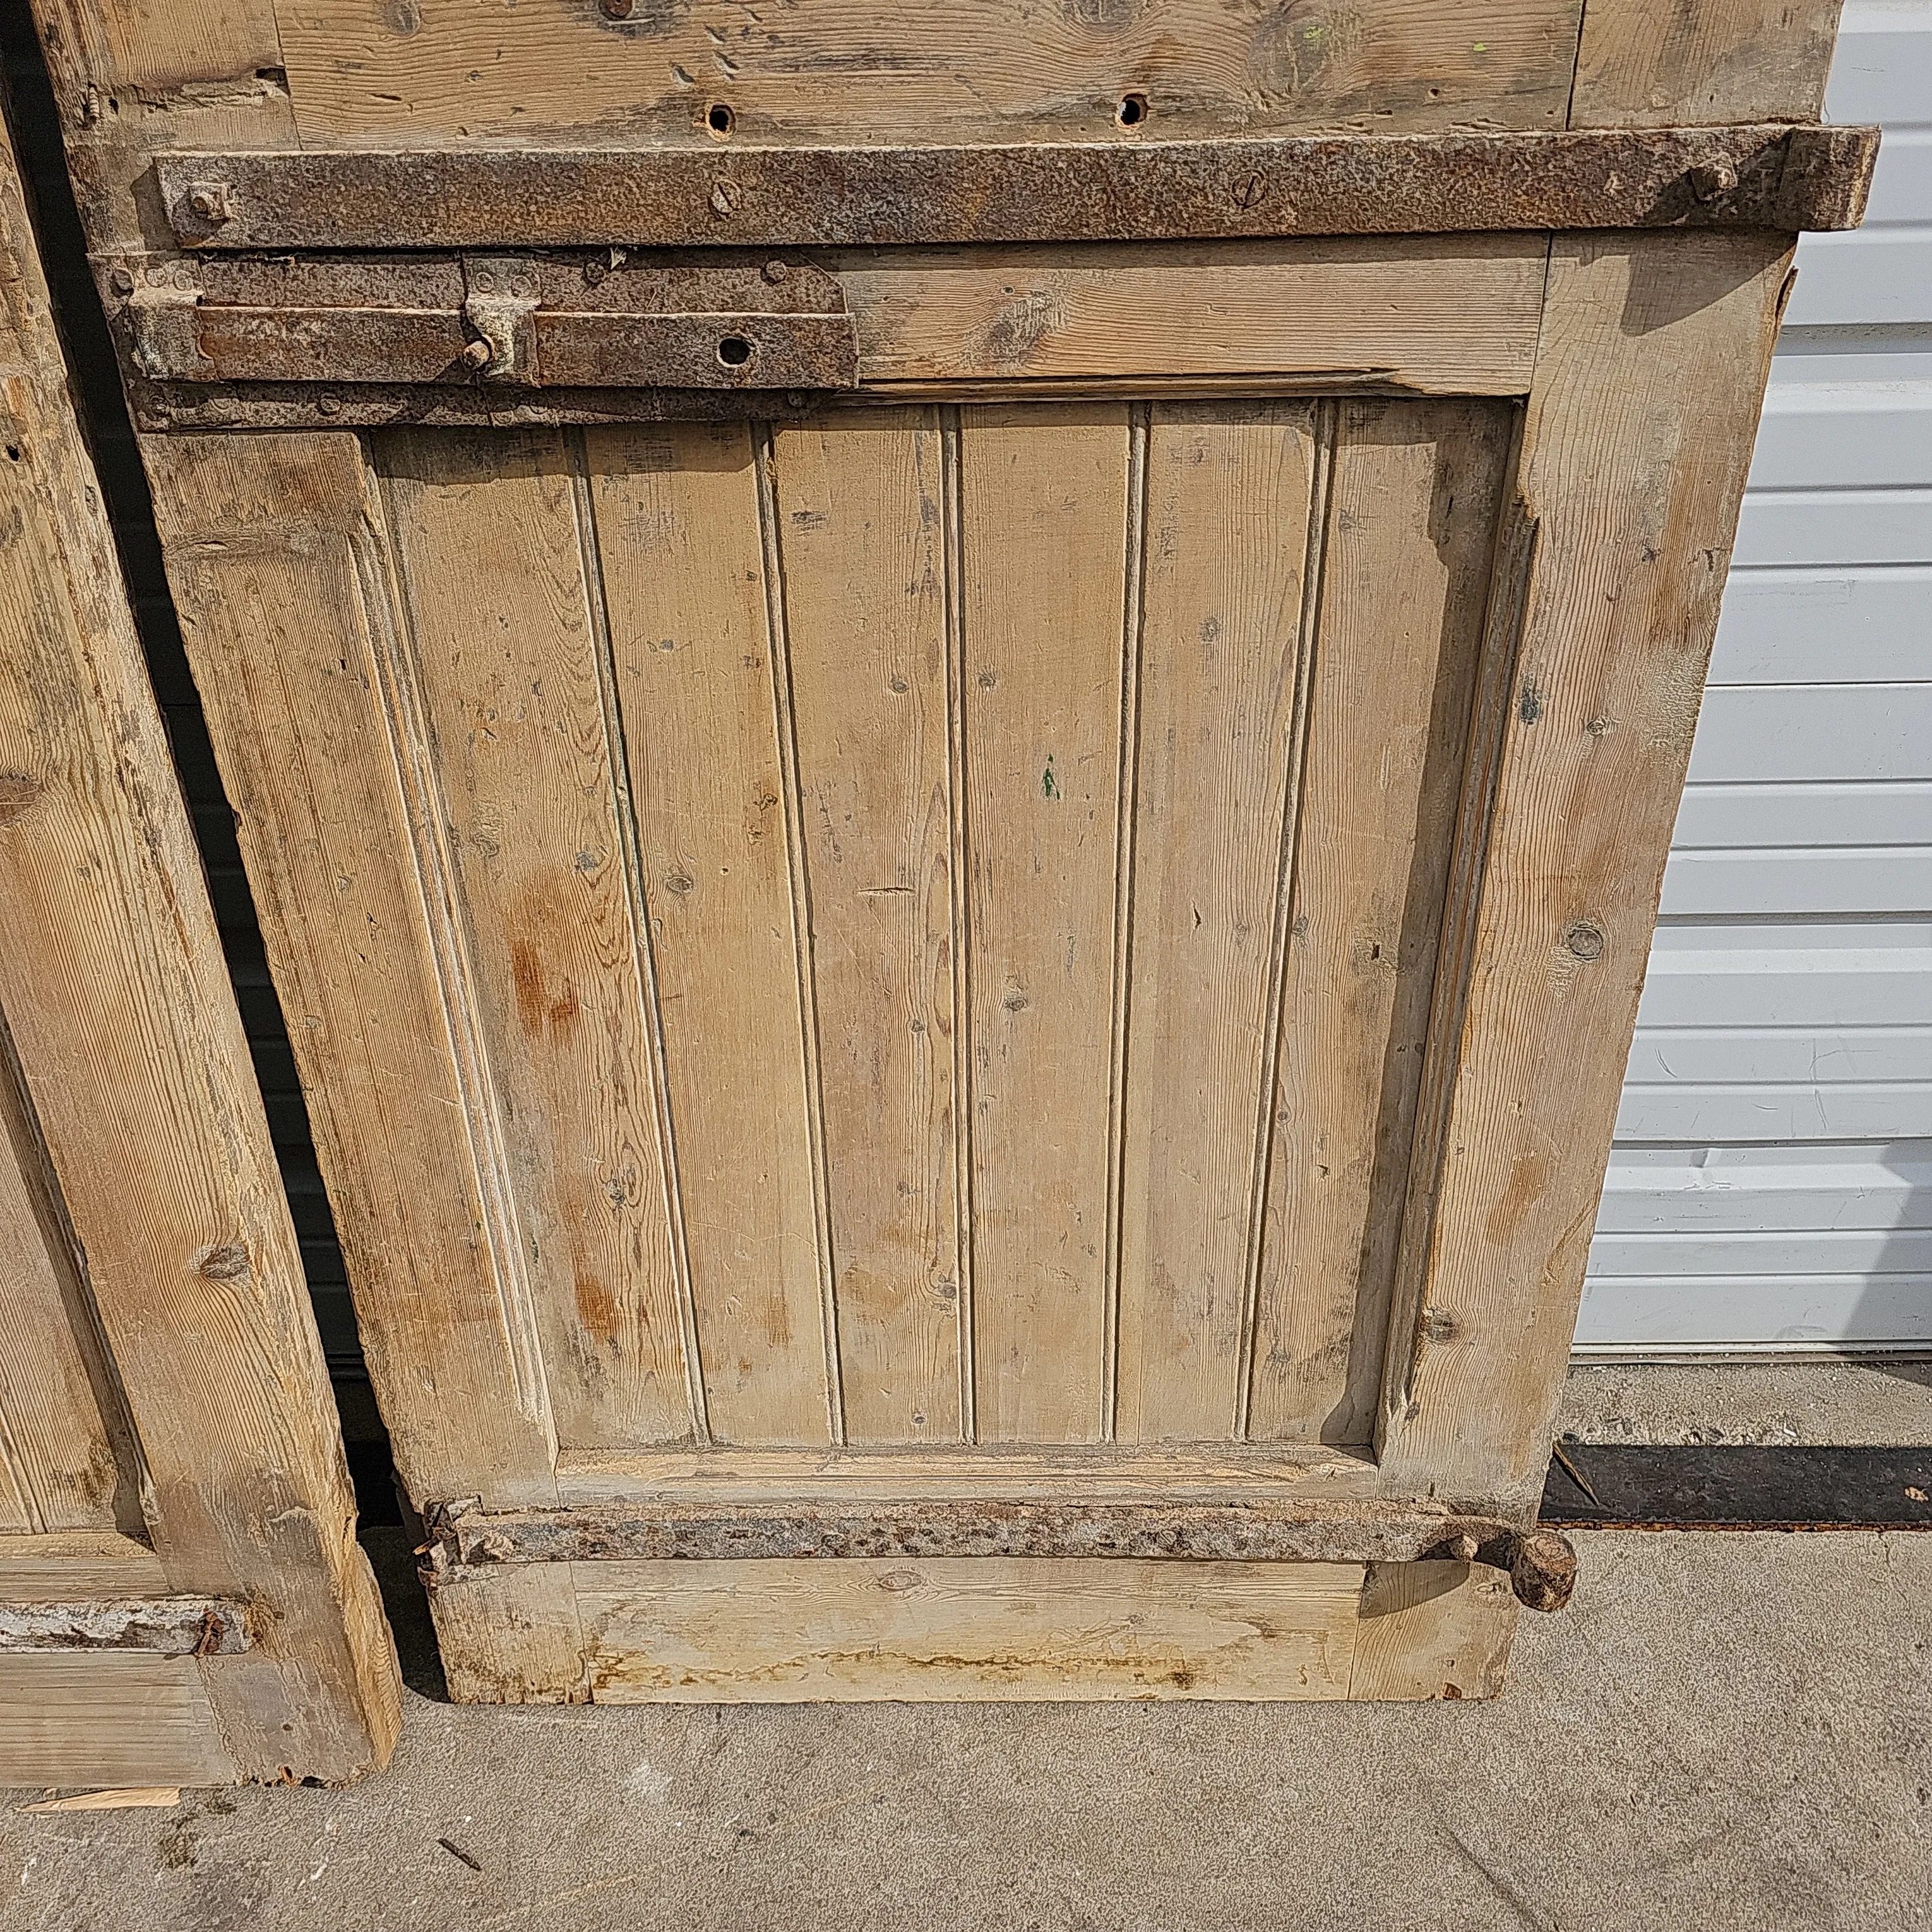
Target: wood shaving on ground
(126, 1799)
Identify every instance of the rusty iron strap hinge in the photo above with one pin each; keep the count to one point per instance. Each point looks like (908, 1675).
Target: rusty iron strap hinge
(465, 1539)
(161, 1626)
(605, 319)
(1768, 176)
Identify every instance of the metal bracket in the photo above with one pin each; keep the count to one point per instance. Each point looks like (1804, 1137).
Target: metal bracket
(500, 304)
(609, 319)
(464, 1540)
(1760, 174)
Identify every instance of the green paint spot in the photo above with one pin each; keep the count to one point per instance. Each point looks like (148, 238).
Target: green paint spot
(1482, 47)
(1049, 785)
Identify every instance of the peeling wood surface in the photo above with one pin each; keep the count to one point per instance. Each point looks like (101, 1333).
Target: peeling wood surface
(1542, 1566)
(1770, 176)
(163, 1626)
(145, 1111)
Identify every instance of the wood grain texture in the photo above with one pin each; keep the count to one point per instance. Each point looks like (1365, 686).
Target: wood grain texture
(158, 45)
(1701, 63)
(506, 656)
(1228, 495)
(984, 1629)
(1638, 436)
(59, 1466)
(678, 513)
(1431, 1630)
(132, 1054)
(859, 516)
(133, 77)
(277, 559)
(511, 1639)
(827, 71)
(61, 1564)
(1445, 313)
(1410, 526)
(1044, 524)
(119, 1719)
(1265, 1470)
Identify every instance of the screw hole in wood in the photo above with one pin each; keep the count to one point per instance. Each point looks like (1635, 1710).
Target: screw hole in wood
(720, 119)
(734, 351)
(1132, 111)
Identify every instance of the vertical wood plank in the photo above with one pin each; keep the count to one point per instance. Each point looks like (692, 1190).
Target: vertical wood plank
(1044, 529)
(1410, 524)
(57, 1465)
(274, 548)
(131, 1053)
(1700, 63)
(678, 517)
(506, 656)
(1655, 350)
(1228, 492)
(860, 522)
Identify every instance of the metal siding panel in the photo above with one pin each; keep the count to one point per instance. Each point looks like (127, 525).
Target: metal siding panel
(1788, 1054)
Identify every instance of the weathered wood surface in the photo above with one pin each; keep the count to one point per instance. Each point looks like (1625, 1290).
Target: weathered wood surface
(110, 1717)
(276, 554)
(947, 1629)
(1408, 536)
(1076, 932)
(143, 1104)
(1638, 436)
(1243, 1529)
(555, 72)
(1641, 65)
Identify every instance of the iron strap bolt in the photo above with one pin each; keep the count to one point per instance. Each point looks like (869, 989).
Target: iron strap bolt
(775, 271)
(209, 201)
(617, 10)
(1707, 184)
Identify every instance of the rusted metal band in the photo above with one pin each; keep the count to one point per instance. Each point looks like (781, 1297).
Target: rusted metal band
(463, 1538)
(1757, 176)
(161, 1626)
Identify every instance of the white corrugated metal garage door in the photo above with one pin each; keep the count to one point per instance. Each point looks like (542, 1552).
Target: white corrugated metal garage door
(1772, 1186)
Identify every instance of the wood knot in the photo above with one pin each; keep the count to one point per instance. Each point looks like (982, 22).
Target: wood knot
(17, 794)
(1584, 939)
(1439, 1325)
(225, 1262)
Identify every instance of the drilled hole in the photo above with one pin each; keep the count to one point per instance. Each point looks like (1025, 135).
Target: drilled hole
(719, 119)
(1132, 111)
(734, 351)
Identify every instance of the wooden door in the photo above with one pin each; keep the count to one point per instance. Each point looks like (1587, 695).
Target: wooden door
(181, 1598)
(957, 750)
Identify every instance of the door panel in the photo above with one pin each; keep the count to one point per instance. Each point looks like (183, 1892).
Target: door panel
(1021, 963)
(1096, 763)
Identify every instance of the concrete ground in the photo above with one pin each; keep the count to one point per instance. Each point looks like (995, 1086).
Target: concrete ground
(1880, 1401)
(1723, 1731)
